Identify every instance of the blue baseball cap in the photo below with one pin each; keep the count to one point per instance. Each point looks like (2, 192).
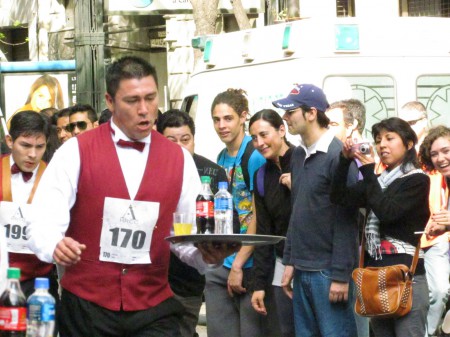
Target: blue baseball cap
(303, 94)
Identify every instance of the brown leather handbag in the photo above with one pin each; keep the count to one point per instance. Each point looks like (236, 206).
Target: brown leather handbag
(384, 292)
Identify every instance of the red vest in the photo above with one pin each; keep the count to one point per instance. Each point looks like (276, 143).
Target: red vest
(30, 266)
(118, 286)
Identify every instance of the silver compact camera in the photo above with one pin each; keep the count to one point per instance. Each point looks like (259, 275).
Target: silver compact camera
(363, 147)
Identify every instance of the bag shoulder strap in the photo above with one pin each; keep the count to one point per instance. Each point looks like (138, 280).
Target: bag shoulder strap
(249, 148)
(412, 269)
(260, 179)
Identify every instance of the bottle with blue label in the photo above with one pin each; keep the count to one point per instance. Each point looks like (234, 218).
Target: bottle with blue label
(223, 210)
(41, 310)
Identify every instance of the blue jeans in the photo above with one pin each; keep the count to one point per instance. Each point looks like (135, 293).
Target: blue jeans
(314, 314)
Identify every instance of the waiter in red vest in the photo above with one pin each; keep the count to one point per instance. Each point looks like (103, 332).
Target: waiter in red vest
(20, 173)
(105, 205)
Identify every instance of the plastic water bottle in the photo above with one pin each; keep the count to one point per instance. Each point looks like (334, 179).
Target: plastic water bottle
(13, 307)
(41, 310)
(205, 208)
(223, 210)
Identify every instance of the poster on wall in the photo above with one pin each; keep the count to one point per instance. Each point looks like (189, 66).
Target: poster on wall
(179, 6)
(37, 91)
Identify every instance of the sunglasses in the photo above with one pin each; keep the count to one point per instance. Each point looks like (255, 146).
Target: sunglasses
(82, 125)
(292, 111)
(415, 121)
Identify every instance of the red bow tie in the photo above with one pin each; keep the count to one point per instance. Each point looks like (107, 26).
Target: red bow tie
(135, 145)
(25, 175)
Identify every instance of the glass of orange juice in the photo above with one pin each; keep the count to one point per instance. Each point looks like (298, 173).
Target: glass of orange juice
(182, 223)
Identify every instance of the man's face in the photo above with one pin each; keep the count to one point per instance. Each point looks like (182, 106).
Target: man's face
(135, 106)
(227, 123)
(295, 121)
(27, 151)
(79, 123)
(337, 124)
(61, 129)
(182, 135)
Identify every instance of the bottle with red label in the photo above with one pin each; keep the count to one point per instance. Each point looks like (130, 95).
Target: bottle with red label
(205, 208)
(13, 307)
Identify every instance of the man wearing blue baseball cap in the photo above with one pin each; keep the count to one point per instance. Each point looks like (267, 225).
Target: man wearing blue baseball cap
(321, 245)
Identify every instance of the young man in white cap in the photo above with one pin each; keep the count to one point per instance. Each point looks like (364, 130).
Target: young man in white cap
(321, 245)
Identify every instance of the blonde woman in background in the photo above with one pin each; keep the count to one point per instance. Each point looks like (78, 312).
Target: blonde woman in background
(45, 92)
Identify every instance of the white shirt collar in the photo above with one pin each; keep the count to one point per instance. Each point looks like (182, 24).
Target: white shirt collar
(322, 144)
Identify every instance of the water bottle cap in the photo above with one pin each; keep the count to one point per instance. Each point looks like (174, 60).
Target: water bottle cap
(41, 283)
(223, 184)
(205, 179)
(13, 273)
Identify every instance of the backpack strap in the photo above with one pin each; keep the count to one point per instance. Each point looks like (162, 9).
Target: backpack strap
(249, 148)
(260, 179)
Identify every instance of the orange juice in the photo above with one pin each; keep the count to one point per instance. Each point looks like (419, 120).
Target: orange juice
(182, 228)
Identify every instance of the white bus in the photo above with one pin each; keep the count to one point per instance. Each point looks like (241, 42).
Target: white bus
(384, 62)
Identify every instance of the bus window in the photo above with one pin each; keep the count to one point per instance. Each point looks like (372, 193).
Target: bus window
(433, 91)
(189, 105)
(376, 92)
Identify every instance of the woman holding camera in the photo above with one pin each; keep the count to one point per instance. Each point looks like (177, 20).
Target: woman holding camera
(397, 205)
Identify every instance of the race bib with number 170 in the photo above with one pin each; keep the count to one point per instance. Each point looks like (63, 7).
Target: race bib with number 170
(127, 230)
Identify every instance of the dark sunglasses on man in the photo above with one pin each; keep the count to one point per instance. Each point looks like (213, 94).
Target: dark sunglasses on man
(82, 125)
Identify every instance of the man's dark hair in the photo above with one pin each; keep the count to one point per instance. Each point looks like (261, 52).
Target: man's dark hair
(29, 123)
(128, 67)
(105, 116)
(61, 113)
(322, 119)
(92, 115)
(175, 118)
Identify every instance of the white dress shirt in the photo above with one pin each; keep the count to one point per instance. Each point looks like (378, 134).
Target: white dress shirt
(56, 195)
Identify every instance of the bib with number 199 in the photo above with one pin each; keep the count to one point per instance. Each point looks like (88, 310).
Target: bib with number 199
(127, 230)
(13, 217)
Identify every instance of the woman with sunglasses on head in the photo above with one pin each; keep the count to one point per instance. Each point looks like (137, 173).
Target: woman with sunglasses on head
(273, 208)
(397, 204)
(434, 156)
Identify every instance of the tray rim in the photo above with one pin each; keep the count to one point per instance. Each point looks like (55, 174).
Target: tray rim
(244, 239)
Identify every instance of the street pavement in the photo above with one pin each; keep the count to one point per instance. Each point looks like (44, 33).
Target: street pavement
(201, 327)
(201, 330)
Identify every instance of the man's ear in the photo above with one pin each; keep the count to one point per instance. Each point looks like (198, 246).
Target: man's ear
(311, 115)
(109, 101)
(9, 141)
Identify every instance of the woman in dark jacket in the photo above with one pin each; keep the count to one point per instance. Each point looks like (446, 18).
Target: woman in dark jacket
(272, 197)
(397, 202)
